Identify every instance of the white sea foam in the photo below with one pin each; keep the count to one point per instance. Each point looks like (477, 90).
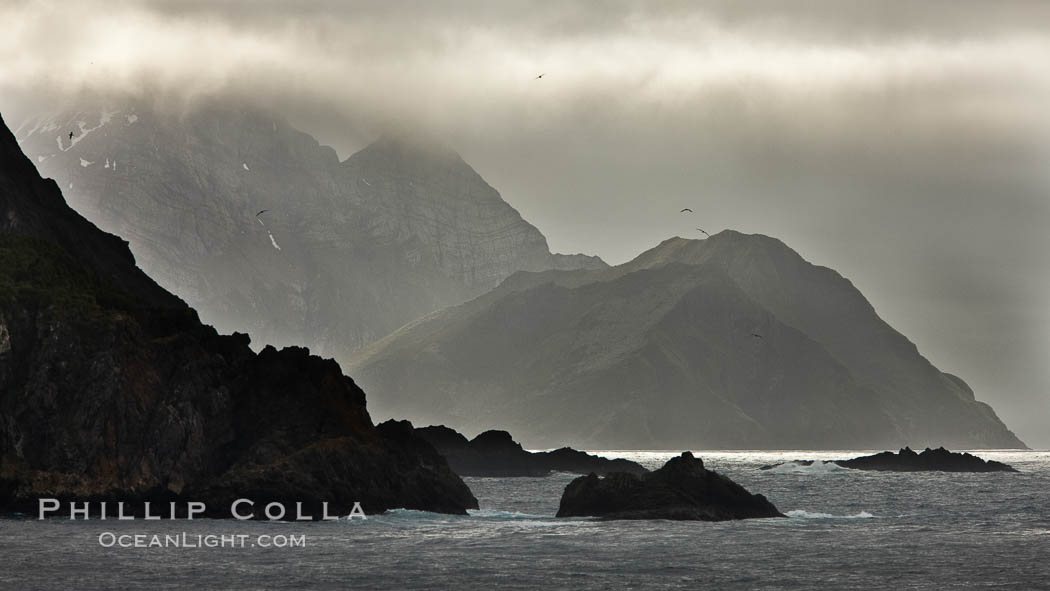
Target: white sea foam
(817, 467)
(523, 519)
(801, 513)
(412, 514)
(497, 514)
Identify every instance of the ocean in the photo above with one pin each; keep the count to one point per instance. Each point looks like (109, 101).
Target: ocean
(846, 530)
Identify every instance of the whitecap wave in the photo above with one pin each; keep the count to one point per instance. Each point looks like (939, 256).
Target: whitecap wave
(412, 514)
(816, 467)
(802, 513)
(524, 519)
(497, 514)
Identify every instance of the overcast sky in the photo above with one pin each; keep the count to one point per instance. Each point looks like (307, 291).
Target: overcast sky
(904, 144)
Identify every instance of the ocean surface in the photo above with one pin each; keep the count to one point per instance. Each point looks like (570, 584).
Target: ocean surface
(846, 530)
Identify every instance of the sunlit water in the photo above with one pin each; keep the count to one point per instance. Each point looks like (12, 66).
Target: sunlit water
(847, 530)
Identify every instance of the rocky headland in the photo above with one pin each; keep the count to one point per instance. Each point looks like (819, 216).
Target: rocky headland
(111, 389)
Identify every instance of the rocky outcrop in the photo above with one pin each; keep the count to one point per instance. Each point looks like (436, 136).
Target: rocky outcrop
(730, 342)
(495, 453)
(347, 251)
(111, 389)
(906, 460)
(682, 490)
(929, 460)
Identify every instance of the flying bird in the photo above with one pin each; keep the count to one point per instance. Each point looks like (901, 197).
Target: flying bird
(261, 212)
(756, 335)
(71, 135)
(685, 209)
(704, 231)
(541, 75)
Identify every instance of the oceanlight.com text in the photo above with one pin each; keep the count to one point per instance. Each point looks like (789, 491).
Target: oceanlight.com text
(187, 540)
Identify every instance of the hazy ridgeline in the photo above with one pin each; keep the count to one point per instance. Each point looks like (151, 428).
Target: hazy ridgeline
(730, 342)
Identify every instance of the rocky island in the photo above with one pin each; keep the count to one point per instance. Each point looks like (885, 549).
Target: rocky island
(495, 453)
(907, 460)
(111, 389)
(929, 460)
(681, 490)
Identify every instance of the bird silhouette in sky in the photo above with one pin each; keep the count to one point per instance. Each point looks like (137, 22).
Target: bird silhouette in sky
(685, 209)
(71, 135)
(261, 212)
(541, 76)
(704, 231)
(756, 335)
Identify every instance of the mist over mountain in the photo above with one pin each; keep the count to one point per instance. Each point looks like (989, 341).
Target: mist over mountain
(345, 253)
(734, 341)
(730, 342)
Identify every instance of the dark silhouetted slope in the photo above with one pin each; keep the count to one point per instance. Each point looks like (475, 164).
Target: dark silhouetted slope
(112, 389)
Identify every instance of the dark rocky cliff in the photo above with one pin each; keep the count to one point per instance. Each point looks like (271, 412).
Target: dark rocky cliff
(112, 389)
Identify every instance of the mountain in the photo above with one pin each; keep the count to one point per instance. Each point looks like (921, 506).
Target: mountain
(347, 251)
(734, 341)
(112, 390)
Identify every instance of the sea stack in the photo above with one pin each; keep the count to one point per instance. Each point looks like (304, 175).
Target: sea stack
(681, 490)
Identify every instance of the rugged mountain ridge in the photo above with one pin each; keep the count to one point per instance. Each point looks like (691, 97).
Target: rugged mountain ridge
(348, 251)
(730, 342)
(112, 389)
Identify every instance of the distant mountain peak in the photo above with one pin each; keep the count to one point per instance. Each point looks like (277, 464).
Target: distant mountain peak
(731, 341)
(347, 251)
(727, 246)
(422, 146)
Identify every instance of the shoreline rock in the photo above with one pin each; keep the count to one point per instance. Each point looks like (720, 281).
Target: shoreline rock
(681, 490)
